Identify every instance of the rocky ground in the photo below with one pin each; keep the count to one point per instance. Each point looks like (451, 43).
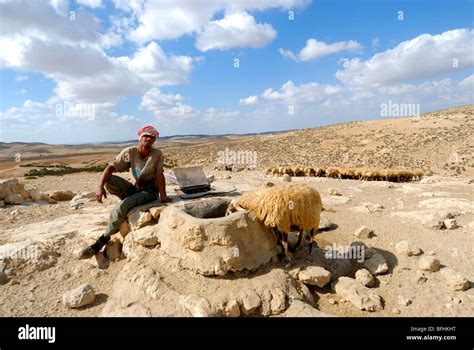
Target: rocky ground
(417, 243)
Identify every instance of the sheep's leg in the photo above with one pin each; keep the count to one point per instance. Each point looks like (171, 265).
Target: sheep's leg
(311, 235)
(301, 239)
(284, 242)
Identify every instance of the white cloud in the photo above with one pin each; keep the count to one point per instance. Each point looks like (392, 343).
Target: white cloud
(90, 3)
(315, 49)
(21, 78)
(248, 101)
(23, 91)
(166, 106)
(164, 19)
(126, 119)
(36, 19)
(35, 36)
(310, 92)
(237, 29)
(423, 57)
(218, 115)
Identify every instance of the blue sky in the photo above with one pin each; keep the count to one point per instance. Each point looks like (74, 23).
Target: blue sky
(95, 70)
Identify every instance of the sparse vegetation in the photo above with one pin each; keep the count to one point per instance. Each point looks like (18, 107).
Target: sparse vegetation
(63, 170)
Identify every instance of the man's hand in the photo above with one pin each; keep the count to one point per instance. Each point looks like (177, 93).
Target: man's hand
(165, 199)
(100, 193)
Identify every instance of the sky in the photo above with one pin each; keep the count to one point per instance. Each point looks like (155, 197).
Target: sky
(83, 71)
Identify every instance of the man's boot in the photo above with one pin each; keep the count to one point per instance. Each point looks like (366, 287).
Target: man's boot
(93, 249)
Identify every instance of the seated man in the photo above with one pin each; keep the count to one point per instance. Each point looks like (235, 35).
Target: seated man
(146, 164)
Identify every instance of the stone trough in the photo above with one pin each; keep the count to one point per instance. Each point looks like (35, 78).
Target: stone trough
(210, 243)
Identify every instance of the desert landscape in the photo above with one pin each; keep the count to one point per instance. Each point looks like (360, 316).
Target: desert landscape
(383, 248)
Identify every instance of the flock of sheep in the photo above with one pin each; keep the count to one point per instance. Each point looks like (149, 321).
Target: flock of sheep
(369, 174)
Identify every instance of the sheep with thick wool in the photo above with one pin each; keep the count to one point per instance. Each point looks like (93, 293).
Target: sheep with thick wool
(283, 208)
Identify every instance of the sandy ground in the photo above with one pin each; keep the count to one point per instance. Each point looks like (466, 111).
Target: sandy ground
(38, 292)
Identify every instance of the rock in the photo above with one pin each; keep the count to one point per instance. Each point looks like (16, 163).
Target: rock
(269, 184)
(407, 248)
(396, 311)
(79, 297)
(324, 223)
(232, 309)
(315, 276)
(124, 228)
(45, 197)
(145, 236)
(139, 219)
(11, 186)
(357, 294)
(369, 208)
(35, 194)
(155, 212)
(450, 224)
(363, 232)
(113, 250)
(14, 199)
(61, 195)
(215, 246)
(403, 301)
(456, 280)
(286, 178)
(210, 178)
(249, 301)
(333, 192)
(365, 277)
(376, 264)
(432, 221)
(429, 263)
(197, 306)
(331, 302)
(299, 308)
(3, 278)
(100, 261)
(227, 177)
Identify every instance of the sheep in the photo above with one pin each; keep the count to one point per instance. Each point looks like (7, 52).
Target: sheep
(282, 208)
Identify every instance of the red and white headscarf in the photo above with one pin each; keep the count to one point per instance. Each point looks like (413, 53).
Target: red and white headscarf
(148, 130)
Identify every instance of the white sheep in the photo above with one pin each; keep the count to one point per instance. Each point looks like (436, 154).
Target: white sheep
(282, 208)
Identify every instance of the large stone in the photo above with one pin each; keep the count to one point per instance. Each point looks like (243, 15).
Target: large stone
(360, 296)
(455, 279)
(113, 250)
(139, 219)
(299, 308)
(61, 195)
(376, 264)
(432, 221)
(3, 278)
(155, 212)
(79, 297)
(145, 236)
(407, 248)
(124, 228)
(250, 302)
(35, 194)
(363, 232)
(215, 246)
(450, 224)
(232, 309)
(429, 263)
(10, 186)
(14, 199)
(315, 276)
(196, 305)
(365, 277)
